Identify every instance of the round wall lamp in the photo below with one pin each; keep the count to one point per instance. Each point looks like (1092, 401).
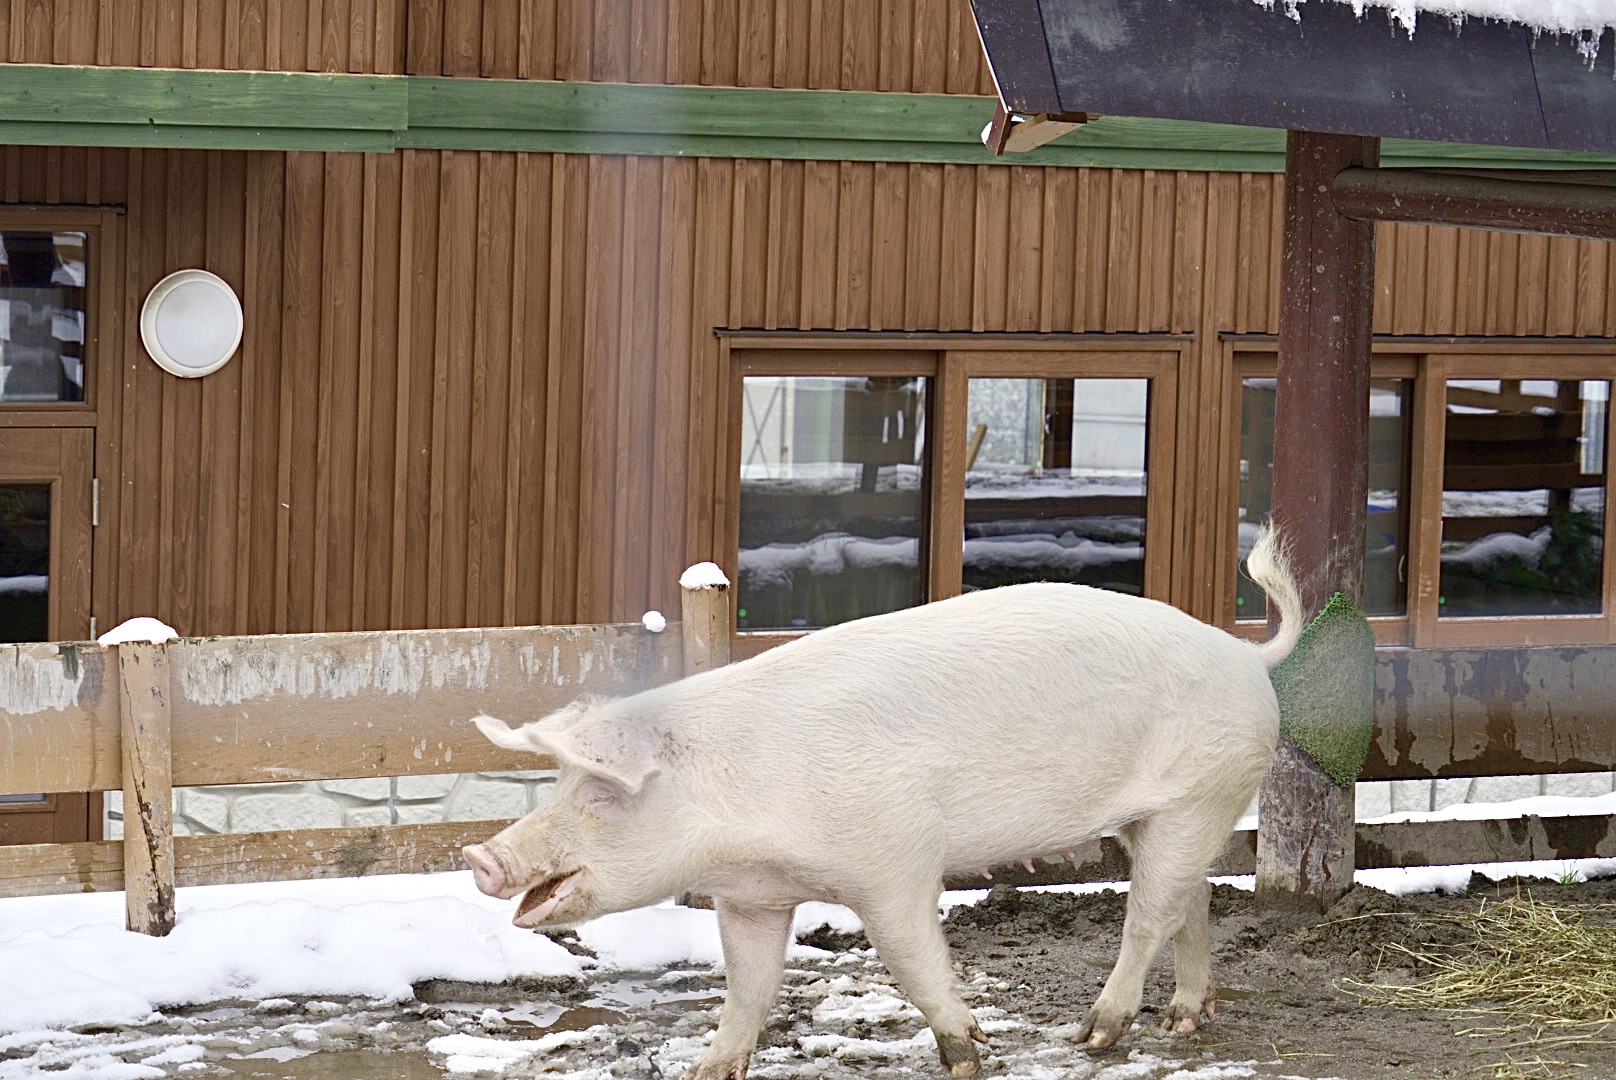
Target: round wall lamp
(191, 323)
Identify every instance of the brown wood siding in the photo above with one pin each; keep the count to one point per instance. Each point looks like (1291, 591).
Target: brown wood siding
(919, 46)
(483, 388)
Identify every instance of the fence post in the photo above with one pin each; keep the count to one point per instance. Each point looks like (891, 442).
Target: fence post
(704, 638)
(704, 617)
(148, 787)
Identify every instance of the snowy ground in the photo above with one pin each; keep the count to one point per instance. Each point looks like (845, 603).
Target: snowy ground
(415, 976)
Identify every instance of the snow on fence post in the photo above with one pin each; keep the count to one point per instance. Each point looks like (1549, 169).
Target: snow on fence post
(704, 608)
(148, 789)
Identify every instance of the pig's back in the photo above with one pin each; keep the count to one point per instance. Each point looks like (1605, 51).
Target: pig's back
(1024, 717)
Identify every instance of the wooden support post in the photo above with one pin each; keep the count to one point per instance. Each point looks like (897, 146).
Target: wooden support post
(705, 626)
(148, 790)
(1305, 845)
(704, 618)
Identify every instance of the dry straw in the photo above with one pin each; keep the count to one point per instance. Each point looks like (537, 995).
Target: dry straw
(1538, 978)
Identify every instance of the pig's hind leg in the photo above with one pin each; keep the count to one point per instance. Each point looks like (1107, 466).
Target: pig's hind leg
(1194, 996)
(1170, 854)
(908, 936)
(754, 939)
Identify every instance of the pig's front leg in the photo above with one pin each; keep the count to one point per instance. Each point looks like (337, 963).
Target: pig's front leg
(908, 937)
(754, 940)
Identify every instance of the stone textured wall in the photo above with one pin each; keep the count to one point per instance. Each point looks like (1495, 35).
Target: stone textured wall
(329, 804)
(407, 800)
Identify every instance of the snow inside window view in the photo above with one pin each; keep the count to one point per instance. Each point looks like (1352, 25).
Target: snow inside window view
(1055, 482)
(1523, 504)
(832, 498)
(834, 475)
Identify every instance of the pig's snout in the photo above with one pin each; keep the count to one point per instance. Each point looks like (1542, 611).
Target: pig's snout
(485, 870)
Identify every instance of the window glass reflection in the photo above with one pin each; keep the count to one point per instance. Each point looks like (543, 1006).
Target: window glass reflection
(1523, 497)
(1055, 482)
(832, 499)
(1386, 517)
(42, 316)
(24, 562)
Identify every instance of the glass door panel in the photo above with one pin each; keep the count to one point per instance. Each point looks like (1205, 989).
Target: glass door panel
(1386, 519)
(833, 499)
(25, 562)
(1055, 482)
(45, 533)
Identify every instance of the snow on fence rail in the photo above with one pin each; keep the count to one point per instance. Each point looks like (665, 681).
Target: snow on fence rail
(144, 718)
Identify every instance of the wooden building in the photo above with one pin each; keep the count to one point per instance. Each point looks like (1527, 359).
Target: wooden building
(505, 266)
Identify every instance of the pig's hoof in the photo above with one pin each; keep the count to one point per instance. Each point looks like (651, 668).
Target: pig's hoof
(958, 1052)
(1184, 1018)
(716, 1070)
(1102, 1028)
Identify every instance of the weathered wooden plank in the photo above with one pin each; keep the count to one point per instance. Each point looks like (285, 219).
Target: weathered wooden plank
(1493, 712)
(305, 854)
(47, 869)
(231, 858)
(58, 720)
(705, 627)
(144, 708)
(315, 706)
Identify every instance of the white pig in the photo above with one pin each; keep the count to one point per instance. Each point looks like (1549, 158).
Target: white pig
(864, 763)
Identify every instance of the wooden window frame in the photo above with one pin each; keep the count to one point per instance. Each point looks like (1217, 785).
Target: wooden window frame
(103, 231)
(950, 361)
(1431, 363)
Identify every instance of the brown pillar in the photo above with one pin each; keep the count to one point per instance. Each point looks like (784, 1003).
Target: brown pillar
(1305, 852)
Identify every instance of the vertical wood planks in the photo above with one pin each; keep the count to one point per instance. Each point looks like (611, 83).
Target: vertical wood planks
(450, 356)
(144, 697)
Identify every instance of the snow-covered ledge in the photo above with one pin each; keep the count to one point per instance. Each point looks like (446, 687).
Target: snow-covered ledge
(1587, 19)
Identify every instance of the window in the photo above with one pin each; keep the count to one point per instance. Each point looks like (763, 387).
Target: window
(1487, 501)
(43, 304)
(832, 499)
(1386, 525)
(1055, 482)
(871, 479)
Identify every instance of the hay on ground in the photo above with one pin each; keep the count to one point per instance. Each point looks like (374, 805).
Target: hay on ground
(1539, 978)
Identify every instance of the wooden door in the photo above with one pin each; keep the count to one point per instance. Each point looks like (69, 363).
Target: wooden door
(46, 515)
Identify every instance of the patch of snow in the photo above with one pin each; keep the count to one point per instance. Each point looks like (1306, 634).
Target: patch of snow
(654, 621)
(704, 575)
(18, 584)
(141, 628)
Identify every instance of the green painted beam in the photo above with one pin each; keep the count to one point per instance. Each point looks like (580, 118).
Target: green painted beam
(160, 97)
(252, 110)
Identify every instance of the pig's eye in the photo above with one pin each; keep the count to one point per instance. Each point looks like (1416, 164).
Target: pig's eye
(599, 797)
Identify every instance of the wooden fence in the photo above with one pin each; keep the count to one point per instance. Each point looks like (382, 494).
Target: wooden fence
(145, 718)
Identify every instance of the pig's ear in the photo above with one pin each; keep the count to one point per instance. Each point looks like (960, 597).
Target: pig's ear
(498, 733)
(611, 750)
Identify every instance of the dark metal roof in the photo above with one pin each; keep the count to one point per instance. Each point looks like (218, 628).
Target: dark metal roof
(1231, 61)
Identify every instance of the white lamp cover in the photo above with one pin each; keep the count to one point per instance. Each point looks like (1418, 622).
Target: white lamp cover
(191, 323)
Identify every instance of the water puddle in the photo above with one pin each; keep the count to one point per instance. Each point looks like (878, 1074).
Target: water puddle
(338, 1065)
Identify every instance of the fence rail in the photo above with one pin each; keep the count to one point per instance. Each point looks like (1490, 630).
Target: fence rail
(145, 718)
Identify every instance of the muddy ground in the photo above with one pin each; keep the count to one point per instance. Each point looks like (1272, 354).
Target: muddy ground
(1030, 964)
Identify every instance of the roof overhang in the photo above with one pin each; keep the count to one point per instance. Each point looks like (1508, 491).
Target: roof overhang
(1234, 62)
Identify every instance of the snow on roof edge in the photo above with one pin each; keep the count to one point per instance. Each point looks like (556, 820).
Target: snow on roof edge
(1587, 19)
